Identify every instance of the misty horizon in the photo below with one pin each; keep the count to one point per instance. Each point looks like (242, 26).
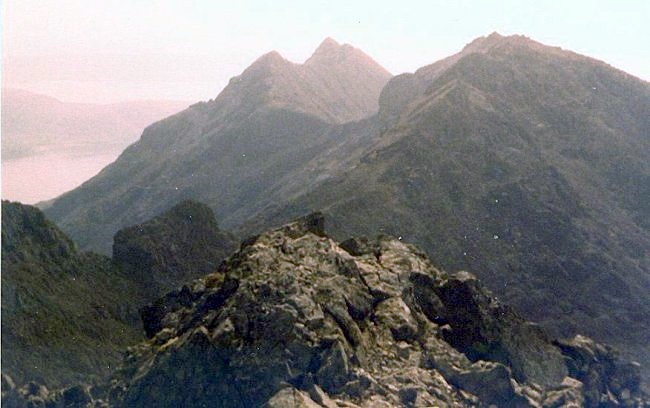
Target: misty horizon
(124, 51)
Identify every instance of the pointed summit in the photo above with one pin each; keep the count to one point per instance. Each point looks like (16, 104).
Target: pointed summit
(271, 56)
(331, 52)
(495, 35)
(268, 61)
(328, 47)
(482, 44)
(328, 42)
(270, 106)
(337, 84)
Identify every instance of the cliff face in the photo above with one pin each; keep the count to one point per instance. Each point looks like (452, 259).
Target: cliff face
(295, 319)
(179, 245)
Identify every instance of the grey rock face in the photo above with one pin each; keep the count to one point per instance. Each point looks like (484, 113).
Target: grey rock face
(291, 397)
(294, 319)
(483, 328)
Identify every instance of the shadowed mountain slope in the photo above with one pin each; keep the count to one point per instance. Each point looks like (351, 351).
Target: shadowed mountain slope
(67, 315)
(229, 152)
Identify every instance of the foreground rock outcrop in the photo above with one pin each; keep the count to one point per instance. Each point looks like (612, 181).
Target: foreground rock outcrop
(295, 319)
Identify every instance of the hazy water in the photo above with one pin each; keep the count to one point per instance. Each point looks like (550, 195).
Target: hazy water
(46, 175)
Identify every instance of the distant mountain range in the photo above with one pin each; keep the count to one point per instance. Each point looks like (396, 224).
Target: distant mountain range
(523, 163)
(65, 134)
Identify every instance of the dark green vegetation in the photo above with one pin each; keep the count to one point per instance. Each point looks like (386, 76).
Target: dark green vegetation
(523, 163)
(67, 316)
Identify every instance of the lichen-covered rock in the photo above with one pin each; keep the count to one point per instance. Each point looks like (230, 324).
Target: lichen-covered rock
(33, 394)
(10, 396)
(8, 384)
(76, 396)
(294, 319)
(569, 394)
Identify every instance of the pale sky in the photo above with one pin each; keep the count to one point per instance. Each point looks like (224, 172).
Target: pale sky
(108, 51)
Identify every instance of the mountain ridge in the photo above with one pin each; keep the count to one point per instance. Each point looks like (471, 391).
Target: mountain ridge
(519, 162)
(559, 177)
(249, 130)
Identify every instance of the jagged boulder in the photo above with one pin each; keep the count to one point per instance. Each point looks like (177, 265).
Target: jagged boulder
(569, 393)
(485, 329)
(294, 319)
(291, 397)
(606, 379)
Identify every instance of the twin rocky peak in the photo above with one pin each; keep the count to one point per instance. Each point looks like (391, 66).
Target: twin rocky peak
(338, 83)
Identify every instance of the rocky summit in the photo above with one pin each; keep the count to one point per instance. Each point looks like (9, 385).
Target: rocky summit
(294, 319)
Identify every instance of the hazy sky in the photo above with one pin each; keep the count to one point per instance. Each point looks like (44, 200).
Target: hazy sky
(105, 51)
